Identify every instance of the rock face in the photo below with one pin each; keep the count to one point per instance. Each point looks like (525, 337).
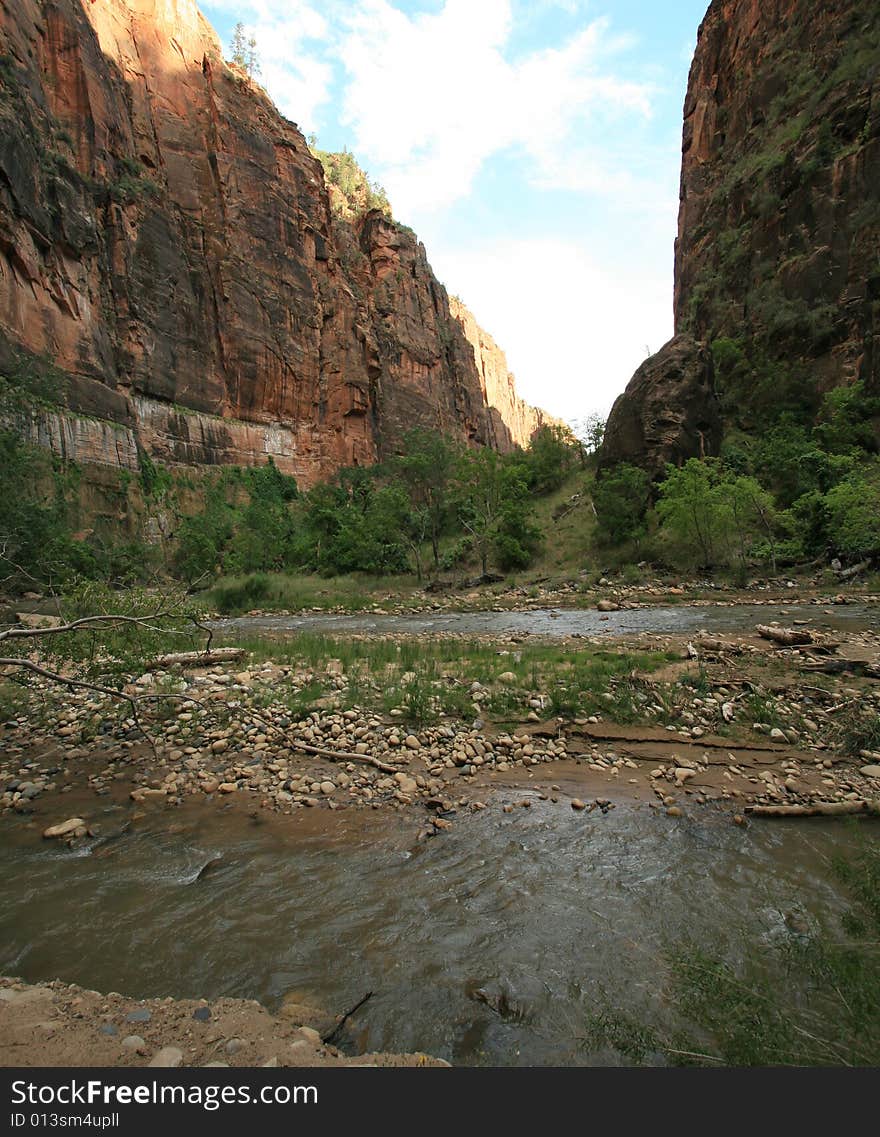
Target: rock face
(166, 240)
(669, 411)
(776, 264)
(509, 412)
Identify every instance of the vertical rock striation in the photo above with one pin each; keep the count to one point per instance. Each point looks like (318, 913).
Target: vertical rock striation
(166, 240)
(777, 263)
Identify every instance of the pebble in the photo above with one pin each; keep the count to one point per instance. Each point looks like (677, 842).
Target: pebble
(134, 1042)
(65, 829)
(168, 1056)
(576, 803)
(142, 1015)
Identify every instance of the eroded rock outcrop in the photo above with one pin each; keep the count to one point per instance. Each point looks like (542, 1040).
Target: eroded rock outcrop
(778, 244)
(166, 239)
(668, 412)
(511, 414)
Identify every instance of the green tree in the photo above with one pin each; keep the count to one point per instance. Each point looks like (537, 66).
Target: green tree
(712, 516)
(357, 525)
(853, 508)
(426, 467)
(621, 497)
(490, 492)
(550, 457)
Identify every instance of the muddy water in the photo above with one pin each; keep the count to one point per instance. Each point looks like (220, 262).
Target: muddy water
(666, 619)
(486, 945)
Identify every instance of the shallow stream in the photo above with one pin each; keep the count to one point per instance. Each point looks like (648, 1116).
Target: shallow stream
(486, 945)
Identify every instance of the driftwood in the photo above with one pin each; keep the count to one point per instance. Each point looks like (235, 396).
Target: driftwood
(854, 570)
(790, 637)
(844, 667)
(342, 756)
(817, 809)
(334, 1033)
(198, 658)
(709, 643)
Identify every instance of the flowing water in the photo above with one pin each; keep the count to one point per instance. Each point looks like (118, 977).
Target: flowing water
(486, 945)
(678, 618)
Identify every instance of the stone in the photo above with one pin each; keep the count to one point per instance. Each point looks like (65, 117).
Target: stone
(412, 742)
(168, 1056)
(310, 1035)
(576, 803)
(507, 677)
(407, 784)
(37, 620)
(141, 1015)
(65, 828)
(235, 1046)
(668, 413)
(870, 771)
(202, 1014)
(134, 1042)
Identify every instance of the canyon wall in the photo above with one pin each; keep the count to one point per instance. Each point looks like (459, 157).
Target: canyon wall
(777, 261)
(168, 251)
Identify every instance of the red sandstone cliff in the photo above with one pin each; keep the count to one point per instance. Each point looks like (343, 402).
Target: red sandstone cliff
(166, 239)
(509, 411)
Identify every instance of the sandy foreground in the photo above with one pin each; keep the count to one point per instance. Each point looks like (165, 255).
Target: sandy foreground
(59, 1024)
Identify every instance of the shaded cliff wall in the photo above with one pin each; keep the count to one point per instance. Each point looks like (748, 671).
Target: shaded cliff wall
(510, 413)
(777, 264)
(166, 239)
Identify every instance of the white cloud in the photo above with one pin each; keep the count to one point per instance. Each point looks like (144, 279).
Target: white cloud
(573, 330)
(431, 97)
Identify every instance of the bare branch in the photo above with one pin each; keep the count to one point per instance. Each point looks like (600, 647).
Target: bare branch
(90, 621)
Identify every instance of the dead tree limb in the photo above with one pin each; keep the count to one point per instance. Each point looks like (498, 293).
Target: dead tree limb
(790, 637)
(342, 756)
(204, 658)
(334, 1033)
(816, 809)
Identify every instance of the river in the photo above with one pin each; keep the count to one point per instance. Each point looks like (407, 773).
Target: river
(489, 944)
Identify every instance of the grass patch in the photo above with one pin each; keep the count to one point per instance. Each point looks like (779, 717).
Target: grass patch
(235, 596)
(427, 678)
(813, 1000)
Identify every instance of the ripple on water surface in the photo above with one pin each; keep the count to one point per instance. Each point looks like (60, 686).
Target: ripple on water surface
(487, 944)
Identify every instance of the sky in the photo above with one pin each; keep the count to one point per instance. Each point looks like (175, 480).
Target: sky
(533, 146)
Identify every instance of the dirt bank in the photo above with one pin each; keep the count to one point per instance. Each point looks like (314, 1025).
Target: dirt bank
(59, 1024)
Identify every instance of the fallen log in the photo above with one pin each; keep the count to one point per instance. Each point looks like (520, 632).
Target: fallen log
(709, 643)
(854, 570)
(343, 756)
(844, 667)
(790, 637)
(817, 809)
(198, 658)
